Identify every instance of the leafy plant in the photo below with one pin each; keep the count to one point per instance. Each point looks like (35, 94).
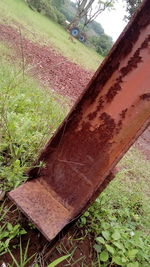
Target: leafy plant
(121, 247)
(7, 230)
(46, 7)
(28, 117)
(24, 259)
(59, 260)
(119, 219)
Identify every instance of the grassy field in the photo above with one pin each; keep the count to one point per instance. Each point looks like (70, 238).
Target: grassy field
(28, 115)
(118, 223)
(42, 30)
(120, 217)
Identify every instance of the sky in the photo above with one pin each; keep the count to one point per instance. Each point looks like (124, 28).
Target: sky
(112, 21)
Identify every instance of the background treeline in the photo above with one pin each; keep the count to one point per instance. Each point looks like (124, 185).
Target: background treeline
(48, 8)
(63, 12)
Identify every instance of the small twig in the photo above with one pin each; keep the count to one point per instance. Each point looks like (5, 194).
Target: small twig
(22, 53)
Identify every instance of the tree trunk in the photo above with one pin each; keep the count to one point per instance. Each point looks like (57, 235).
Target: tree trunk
(74, 22)
(82, 10)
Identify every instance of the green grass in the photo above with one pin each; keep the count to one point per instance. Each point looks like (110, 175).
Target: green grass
(5, 51)
(28, 117)
(120, 217)
(42, 30)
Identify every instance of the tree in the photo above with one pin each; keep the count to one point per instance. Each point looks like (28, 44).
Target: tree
(96, 27)
(131, 6)
(58, 3)
(102, 44)
(89, 10)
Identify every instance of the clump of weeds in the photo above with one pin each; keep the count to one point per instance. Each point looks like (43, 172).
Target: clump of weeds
(119, 219)
(29, 116)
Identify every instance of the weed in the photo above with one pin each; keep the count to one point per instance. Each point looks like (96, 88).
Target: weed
(28, 117)
(119, 218)
(59, 260)
(24, 259)
(7, 230)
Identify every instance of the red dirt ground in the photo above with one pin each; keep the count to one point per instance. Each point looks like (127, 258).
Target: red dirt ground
(74, 242)
(49, 67)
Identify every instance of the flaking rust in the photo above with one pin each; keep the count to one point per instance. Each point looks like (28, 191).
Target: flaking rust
(110, 114)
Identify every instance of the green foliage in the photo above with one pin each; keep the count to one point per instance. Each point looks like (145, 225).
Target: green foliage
(67, 14)
(58, 3)
(7, 233)
(120, 219)
(102, 44)
(47, 8)
(24, 259)
(68, 9)
(59, 260)
(122, 246)
(96, 27)
(60, 18)
(7, 230)
(131, 7)
(28, 116)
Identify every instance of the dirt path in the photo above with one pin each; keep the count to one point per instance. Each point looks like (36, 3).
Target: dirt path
(49, 67)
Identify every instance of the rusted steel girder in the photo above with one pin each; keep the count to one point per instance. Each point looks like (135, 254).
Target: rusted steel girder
(110, 114)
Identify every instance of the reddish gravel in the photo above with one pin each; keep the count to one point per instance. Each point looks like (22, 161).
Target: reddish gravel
(49, 67)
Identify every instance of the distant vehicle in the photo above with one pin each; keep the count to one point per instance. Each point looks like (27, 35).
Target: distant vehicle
(76, 33)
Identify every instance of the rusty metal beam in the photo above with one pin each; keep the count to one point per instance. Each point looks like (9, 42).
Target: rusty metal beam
(111, 113)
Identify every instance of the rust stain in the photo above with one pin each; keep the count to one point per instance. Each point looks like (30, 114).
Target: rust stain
(113, 91)
(123, 113)
(145, 97)
(132, 63)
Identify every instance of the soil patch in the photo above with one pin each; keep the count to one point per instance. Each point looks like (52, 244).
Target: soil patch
(76, 243)
(49, 67)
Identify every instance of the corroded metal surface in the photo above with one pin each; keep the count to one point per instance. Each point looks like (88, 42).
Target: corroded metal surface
(111, 113)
